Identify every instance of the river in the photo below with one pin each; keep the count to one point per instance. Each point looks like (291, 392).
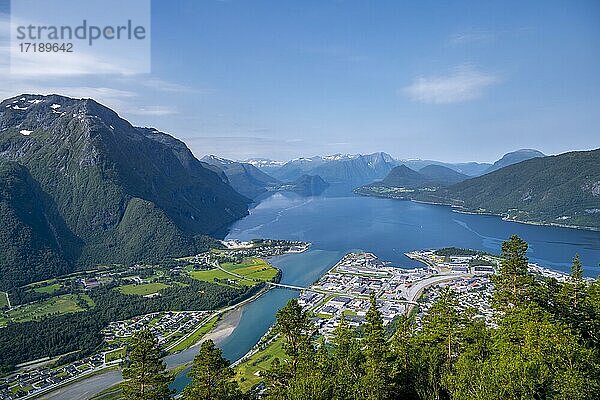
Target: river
(336, 224)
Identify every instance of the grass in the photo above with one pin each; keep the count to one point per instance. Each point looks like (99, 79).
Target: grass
(253, 270)
(212, 274)
(65, 304)
(197, 335)
(115, 355)
(48, 289)
(247, 373)
(40, 283)
(3, 299)
(143, 289)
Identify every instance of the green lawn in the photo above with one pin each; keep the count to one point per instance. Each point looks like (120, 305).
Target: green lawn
(247, 373)
(197, 335)
(253, 268)
(142, 289)
(64, 304)
(48, 289)
(212, 274)
(115, 355)
(3, 299)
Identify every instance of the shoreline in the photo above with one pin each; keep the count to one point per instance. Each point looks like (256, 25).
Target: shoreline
(223, 328)
(504, 217)
(232, 317)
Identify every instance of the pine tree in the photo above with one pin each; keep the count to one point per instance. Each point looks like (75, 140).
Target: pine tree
(348, 362)
(376, 383)
(437, 346)
(512, 282)
(402, 357)
(577, 280)
(211, 376)
(145, 376)
(296, 329)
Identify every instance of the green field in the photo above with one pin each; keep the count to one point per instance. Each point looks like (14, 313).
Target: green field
(247, 373)
(40, 283)
(253, 270)
(197, 335)
(212, 274)
(48, 289)
(64, 304)
(115, 355)
(3, 299)
(143, 289)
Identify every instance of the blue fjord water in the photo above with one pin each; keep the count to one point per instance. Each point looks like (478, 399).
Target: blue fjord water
(389, 228)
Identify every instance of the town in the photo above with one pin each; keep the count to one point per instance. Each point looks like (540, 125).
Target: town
(344, 292)
(234, 264)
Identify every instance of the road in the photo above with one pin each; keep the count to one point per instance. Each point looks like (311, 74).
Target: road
(414, 292)
(87, 387)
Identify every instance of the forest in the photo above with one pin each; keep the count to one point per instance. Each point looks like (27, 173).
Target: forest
(81, 332)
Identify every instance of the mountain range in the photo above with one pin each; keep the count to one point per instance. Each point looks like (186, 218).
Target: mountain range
(359, 169)
(562, 189)
(348, 169)
(245, 178)
(82, 186)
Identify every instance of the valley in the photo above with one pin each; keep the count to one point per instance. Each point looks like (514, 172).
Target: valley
(179, 327)
(80, 280)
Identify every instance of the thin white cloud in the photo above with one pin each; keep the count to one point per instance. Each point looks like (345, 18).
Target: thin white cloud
(152, 110)
(472, 37)
(463, 84)
(167, 86)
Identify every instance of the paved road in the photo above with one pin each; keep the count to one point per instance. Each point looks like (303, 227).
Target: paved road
(86, 388)
(415, 291)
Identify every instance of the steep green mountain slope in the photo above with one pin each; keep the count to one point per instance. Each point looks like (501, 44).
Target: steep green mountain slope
(126, 196)
(561, 189)
(34, 240)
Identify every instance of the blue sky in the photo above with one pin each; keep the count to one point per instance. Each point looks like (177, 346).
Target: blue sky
(463, 81)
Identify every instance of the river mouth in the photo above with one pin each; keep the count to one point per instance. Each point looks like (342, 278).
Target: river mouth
(336, 223)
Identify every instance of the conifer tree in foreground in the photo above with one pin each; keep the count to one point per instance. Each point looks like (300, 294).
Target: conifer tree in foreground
(512, 282)
(144, 373)
(376, 380)
(212, 378)
(543, 344)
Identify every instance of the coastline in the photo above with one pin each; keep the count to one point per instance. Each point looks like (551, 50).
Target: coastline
(462, 210)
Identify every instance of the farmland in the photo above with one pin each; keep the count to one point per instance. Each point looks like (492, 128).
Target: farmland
(143, 289)
(65, 304)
